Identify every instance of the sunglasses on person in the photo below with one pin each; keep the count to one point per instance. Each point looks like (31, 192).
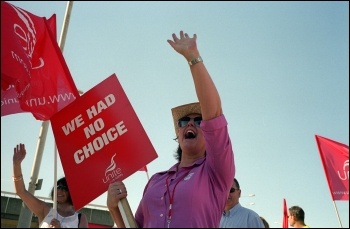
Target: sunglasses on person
(185, 120)
(62, 188)
(233, 190)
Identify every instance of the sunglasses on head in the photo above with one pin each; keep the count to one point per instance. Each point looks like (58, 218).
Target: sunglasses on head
(185, 120)
(62, 187)
(233, 190)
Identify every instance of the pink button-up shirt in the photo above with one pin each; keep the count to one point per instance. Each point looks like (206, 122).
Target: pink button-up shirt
(199, 192)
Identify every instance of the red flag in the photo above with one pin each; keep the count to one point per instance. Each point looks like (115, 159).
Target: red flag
(335, 160)
(144, 168)
(285, 223)
(32, 65)
(10, 102)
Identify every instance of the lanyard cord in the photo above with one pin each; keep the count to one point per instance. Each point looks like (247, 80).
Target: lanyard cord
(171, 196)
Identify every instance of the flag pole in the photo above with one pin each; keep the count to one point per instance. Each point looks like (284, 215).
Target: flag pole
(336, 210)
(25, 217)
(64, 31)
(61, 44)
(54, 207)
(147, 175)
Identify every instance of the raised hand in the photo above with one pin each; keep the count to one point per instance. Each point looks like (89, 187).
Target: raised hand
(185, 45)
(19, 153)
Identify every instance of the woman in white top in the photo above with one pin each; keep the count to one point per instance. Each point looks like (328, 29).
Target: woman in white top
(66, 216)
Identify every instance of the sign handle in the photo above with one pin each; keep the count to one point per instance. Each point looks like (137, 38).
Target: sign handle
(126, 213)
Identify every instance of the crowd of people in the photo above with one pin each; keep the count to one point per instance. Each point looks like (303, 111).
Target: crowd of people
(205, 162)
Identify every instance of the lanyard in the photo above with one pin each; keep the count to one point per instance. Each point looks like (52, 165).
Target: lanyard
(171, 195)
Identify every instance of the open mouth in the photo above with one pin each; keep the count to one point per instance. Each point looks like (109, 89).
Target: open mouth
(190, 134)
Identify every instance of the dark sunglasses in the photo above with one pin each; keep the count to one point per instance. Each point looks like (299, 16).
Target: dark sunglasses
(233, 190)
(185, 120)
(62, 188)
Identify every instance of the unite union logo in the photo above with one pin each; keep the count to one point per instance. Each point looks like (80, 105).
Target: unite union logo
(28, 37)
(112, 173)
(345, 172)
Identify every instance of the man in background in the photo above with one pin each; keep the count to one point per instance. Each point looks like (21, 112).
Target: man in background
(237, 216)
(296, 217)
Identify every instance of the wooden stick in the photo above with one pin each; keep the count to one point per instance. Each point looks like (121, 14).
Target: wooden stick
(126, 213)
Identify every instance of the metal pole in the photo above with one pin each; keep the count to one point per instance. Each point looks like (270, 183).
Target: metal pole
(25, 217)
(336, 210)
(64, 31)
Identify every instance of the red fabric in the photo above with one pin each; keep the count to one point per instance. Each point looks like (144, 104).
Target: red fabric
(335, 160)
(285, 223)
(34, 75)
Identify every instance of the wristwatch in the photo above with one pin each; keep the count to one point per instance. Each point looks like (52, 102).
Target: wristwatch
(195, 61)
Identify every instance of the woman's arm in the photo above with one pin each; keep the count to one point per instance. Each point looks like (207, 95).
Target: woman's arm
(38, 207)
(84, 223)
(206, 91)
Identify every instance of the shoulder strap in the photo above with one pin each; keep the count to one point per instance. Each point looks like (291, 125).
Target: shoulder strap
(79, 216)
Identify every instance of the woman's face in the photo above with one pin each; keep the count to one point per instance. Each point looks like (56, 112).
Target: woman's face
(190, 135)
(62, 193)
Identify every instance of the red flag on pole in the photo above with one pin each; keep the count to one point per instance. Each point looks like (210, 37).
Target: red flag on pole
(285, 223)
(144, 168)
(32, 65)
(335, 160)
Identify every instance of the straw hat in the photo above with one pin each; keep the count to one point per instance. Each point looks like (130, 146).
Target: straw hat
(184, 110)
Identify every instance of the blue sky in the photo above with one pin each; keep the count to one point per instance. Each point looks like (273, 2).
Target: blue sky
(281, 68)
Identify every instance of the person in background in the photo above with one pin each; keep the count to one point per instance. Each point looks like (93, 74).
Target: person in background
(65, 217)
(193, 192)
(266, 224)
(237, 216)
(296, 217)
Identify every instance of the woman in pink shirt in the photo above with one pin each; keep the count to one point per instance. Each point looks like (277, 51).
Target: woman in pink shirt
(193, 192)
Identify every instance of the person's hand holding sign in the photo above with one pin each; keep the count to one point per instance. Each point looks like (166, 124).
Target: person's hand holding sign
(116, 192)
